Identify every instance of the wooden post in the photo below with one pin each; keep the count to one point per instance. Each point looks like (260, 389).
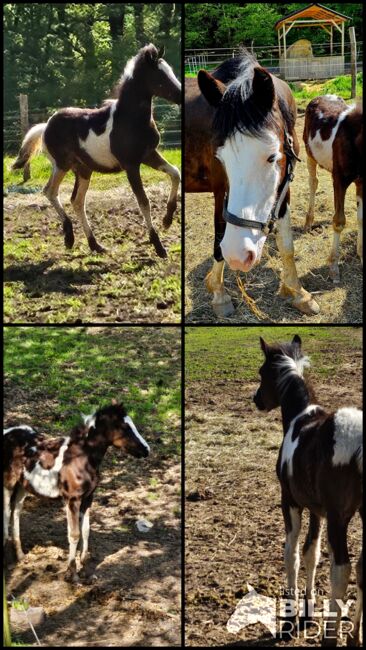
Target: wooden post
(24, 126)
(331, 40)
(352, 38)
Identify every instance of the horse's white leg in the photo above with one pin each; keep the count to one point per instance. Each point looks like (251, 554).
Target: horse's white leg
(156, 161)
(311, 554)
(354, 639)
(85, 529)
(221, 303)
(51, 191)
(340, 570)
(339, 221)
(133, 175)
(73, 534)
(20, 496)
(313, 185)
(7, 513)
(78, 203)
(359, 220)
(291, 286)
(292, 517)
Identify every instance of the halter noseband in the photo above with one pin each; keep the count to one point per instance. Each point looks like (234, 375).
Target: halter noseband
(267, 227)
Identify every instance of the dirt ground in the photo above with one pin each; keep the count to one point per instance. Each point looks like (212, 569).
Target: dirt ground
(135, 598)
(234, 526)
(338, 303)
(46, 283)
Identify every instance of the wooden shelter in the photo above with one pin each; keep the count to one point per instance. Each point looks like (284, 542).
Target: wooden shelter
(316, 67)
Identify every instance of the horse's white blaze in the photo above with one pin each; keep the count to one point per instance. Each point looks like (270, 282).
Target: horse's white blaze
(347, 436)
(45, 481)
(165, 67)
(89, 420)
(128, 421)
(25, 427)
(253, 185)
(322, 150)
(98, 146)
(289, 445)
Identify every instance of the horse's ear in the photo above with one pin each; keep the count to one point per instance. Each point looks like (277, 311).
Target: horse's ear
(151, 54)
(297, 340)
(161, 52)
(263, 90)
(212, 89)
(114, 402)
(264, 345)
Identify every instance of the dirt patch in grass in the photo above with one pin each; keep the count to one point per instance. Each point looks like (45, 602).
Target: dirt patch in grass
(45, 283)
(338, 303)
(234, 526)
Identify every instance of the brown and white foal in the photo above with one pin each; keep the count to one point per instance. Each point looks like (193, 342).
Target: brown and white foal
(333, 135)
(64, 467)
(319, 468)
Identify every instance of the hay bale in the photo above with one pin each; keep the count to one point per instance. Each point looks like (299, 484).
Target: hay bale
(301, 49)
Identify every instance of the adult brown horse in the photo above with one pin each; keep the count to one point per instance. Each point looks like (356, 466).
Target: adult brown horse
(241, 145)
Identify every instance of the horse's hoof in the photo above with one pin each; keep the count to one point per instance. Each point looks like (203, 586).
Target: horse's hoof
(155, 241)
(224, 309)
(71, 576)
(68, 234)
(334, 274)
(168, 219)
(95, 247)
(301, 300)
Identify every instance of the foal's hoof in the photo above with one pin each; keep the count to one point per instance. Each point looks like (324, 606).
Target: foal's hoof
(159, 248)
(168, 219)
(68, 234)
(71, 576)
(95, 247)
(329, 642)
(224, 309)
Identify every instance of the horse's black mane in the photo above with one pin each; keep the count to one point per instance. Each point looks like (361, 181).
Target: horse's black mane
(237, 110)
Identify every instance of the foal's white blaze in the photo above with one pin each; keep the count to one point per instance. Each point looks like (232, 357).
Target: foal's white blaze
(289, 445)
(322, 150)
(165, 67)
(128, 421)
(253, 183)
(98, 146)
(347, 436)
(25, 427)
(89, 420)
(45, 481)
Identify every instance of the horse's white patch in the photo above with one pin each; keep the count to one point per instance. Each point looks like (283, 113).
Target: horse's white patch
(290, 367)
(128, 421)
(289, 445)
(332, 98)
(347, 436)
(98, 147)
(253, 185)
(25, 427)
(166, 68)
(89, 420)
(45, 481)
(129, 68)
(322, 150)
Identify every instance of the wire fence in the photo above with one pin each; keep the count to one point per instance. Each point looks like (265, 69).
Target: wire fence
(166, 115)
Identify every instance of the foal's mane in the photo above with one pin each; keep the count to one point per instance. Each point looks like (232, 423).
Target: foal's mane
(146, 54)
(291, 364)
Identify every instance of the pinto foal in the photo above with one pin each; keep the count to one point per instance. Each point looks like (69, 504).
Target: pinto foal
(121, 135)
(66, 467)
(319, 468)
(333, 136)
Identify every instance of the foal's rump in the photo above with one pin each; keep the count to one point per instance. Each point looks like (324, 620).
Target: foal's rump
(31, 145)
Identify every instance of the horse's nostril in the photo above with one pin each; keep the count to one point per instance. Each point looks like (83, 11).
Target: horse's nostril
(250, 257)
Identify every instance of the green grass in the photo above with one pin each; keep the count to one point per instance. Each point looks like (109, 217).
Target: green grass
(72, 371)
(41, 168)
(225, 353)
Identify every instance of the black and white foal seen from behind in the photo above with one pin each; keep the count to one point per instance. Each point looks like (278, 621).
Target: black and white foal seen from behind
(121, 135)
(320, 468)
(64, 467)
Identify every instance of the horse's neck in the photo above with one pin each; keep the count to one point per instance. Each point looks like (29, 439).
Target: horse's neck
(295, 400)
(135, 100)
(97, 447)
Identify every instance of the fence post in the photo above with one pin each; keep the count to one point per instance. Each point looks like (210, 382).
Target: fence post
(24, 126)
(352, 37)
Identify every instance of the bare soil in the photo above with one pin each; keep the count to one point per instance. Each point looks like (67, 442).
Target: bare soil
(234, 526)
(133, 594)
(338, 303)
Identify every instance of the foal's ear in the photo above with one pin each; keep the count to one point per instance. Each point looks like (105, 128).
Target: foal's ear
(114, 402)
(264, 345)
(297, 340)
(263, 90)
(212, 89)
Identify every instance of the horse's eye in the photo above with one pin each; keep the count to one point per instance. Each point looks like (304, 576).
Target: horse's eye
(271, 158)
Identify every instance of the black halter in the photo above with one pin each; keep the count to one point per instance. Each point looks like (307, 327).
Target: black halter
(267, 227)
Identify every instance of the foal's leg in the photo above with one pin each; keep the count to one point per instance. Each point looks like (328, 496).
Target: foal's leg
(7, 513)
(156, 161)
(78, 203)
(20, 496)
(339, 575)
(339, 221)
(313, 184)
(291, 286)
(85, 525)
(311, 553)
(73, 533)
(133, 175)
(292, 517)
(221, 302)
(51, 191)
(359, 218)
(354, 639)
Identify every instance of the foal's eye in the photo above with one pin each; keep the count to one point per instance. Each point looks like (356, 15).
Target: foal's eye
(272, 158)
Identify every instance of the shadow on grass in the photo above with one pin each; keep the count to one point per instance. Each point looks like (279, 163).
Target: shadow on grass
(36, 278)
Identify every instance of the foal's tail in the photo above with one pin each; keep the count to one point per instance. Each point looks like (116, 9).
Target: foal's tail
(31, 145)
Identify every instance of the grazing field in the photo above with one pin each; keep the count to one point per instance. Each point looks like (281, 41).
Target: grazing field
(234, 526)
(338, 303)
(51, 376)
(46, 283)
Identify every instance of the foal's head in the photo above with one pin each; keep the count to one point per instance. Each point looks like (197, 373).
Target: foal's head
(281, 362)
(119, 430)
(149, 68)
(248, 135)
